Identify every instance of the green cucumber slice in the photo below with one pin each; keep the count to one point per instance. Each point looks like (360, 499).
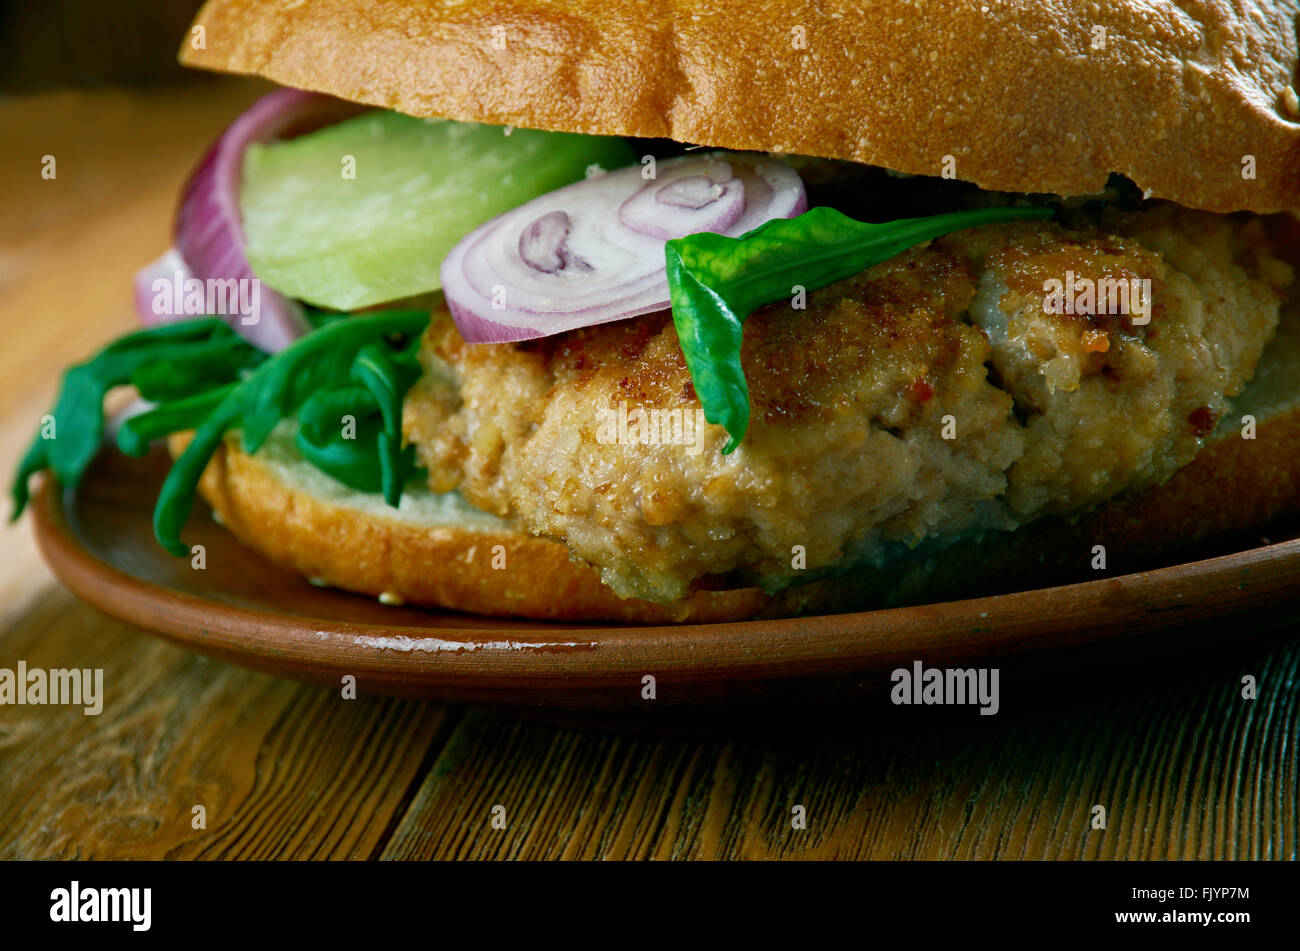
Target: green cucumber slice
(420, 186)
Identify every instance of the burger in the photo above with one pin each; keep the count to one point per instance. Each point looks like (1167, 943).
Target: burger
(619, 312)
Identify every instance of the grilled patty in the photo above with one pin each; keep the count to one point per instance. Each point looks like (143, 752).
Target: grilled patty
(933, 396)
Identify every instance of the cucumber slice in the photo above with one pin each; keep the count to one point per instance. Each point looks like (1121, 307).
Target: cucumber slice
(420, 186)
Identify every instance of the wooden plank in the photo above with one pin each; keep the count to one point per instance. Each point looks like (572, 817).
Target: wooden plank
(1183, 765)
(283, 770)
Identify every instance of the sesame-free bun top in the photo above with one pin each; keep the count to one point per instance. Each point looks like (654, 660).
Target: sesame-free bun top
(1193, 101)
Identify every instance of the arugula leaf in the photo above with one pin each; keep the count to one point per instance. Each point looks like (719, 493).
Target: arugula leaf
(174, 372)
(322, 358)
(210, 380)
(80, 408)
(374, 369)
(354, 462)
(371, 459)
(176, 497)
(136, 432)
(368, 462)
(285, 383)
(78, 413)
(716, 282)
(321, 414)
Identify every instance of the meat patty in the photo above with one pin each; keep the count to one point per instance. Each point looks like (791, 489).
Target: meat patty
(932, 396)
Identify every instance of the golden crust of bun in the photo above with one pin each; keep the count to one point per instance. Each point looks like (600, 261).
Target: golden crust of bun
(1192, 101)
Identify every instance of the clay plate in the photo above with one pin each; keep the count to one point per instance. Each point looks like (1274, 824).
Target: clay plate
(99, 542)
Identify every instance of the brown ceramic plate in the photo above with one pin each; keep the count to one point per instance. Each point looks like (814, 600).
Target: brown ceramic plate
(99, 541)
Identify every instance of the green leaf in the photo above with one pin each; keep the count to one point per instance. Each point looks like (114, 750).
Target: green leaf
(79, 420)
(278, 389)
(354, 462)
(212, 382)
(176, 497)
(716, 282)
(321, 414)
(395, 466)
(200, 328)
(387, 381)
(78, 411)
(322, 358)
(175, 372)
(136, 432)
(374, 369)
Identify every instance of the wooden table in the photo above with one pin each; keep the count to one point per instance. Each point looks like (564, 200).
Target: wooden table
(1184, 766)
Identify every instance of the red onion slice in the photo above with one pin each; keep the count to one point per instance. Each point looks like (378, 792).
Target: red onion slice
(701, 196)
(209, 234)
(593, 252)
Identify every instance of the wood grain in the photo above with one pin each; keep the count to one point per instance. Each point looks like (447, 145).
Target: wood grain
(282, 770)
(1184, 767)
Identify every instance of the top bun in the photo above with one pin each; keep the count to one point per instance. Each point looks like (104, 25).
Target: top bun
(1193, 101)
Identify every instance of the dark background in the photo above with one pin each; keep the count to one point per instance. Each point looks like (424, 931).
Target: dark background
(53, 44)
